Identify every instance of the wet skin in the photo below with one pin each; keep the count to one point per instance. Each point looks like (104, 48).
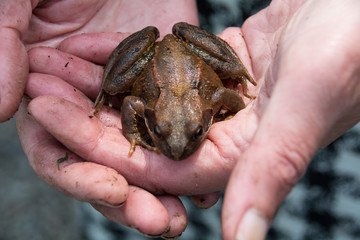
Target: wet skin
(175, 87)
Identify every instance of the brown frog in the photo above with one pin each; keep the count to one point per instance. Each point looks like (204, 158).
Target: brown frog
(175, 86)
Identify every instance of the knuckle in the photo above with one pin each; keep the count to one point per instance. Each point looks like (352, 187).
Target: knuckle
(292, 161)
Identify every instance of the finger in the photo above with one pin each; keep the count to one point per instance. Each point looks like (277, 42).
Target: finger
(304, 107)
(177, 214)
(80, 73)
(205, 200)
(234, 36)
(93, 47)
(39, 84)
(42, 84)
(14, 66)
(107, 146)
(140, 211)
(91, 188)
(85, 181)
(67, 61)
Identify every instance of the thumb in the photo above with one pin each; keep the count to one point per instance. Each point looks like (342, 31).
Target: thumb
(14, 66)
(314, 94)
(294, 125)
(265, 174)
(288, 136)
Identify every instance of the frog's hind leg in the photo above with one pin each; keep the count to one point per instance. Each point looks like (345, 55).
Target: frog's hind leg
(125, 64)
(128, 60)
(216, 53)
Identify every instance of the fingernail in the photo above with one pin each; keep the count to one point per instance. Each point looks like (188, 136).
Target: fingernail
(106, 204)
(156, 236)
(253, 226)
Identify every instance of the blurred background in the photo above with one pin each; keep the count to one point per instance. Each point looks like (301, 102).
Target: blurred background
(324, 205)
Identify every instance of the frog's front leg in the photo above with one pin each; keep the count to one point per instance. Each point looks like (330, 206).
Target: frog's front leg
(227, 99)
(132, 108)
(216, 53)
(126, 63)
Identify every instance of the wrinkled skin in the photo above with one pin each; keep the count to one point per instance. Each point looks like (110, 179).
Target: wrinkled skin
(23, 28)
(306, 61)
(310, 96)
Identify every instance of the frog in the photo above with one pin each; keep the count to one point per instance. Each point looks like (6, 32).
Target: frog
(174, 87)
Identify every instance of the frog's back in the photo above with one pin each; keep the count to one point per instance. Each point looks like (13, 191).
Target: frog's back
(175, 66)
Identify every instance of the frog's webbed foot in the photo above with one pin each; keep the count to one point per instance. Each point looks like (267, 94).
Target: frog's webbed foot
(102, 99)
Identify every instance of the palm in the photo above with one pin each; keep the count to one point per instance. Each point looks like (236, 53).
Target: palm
(23, 28)
(95, 183)
(261, 37)
(99, 140)
(145, 168)
(215, 158)
(72, 17)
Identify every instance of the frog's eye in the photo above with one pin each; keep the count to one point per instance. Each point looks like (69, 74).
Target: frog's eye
(157, 131)
(161, 130)
(198, 132)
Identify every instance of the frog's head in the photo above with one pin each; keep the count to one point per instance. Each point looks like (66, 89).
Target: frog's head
(178, 134)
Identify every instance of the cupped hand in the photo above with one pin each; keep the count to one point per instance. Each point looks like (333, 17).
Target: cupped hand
(301, 106)
(59, 121)
(62, 84)
(47, 25)
(306, 58)
(25, 24)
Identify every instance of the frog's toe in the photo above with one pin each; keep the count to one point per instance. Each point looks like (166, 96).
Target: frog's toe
(151, 148)
(249, 96)
(142, 143)
(102, 98)
(132, 147)
(244, 88)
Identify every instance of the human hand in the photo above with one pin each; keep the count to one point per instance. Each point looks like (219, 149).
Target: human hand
(100, 141)
(306, 58)
(88, 181)
(221, 150)
(25, 24)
